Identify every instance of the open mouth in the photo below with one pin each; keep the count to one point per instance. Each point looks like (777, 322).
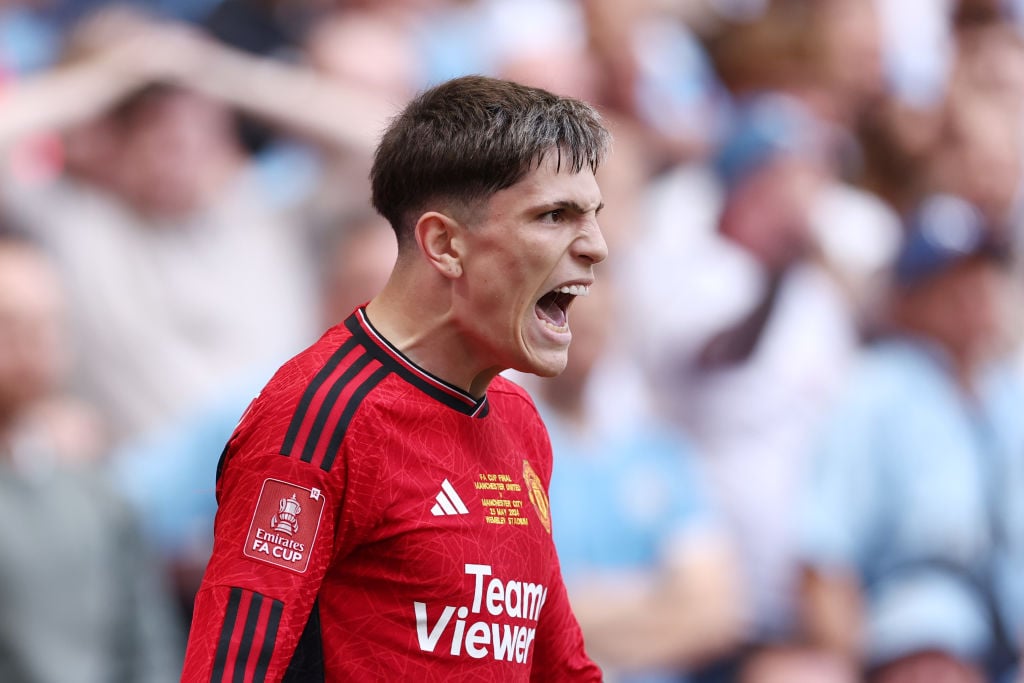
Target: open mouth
(553, 307)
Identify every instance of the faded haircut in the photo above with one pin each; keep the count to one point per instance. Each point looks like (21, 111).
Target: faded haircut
(465, 139)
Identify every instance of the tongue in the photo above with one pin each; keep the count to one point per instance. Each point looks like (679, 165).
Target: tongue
(549, 310)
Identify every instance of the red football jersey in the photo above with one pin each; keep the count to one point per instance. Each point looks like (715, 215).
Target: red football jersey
(378, 524)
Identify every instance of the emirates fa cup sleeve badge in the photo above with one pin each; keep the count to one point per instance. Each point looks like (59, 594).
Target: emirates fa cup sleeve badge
(277, 536)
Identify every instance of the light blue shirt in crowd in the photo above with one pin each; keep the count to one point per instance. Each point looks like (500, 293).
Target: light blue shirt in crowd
(170, 475)
(619, 499)
(908, 475)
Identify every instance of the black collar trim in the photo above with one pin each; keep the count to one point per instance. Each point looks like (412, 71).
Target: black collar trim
(453, 397)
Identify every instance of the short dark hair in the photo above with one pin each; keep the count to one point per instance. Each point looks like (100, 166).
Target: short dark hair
(467, 138)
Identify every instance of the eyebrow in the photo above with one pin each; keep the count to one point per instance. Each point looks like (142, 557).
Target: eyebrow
(575, 206)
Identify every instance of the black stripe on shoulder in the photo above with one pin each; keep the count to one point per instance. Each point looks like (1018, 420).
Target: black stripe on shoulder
(269, 638)
(328, 405)
(346, 416)
(307, 665)
(248, 632)
(310, 392)
(228, 628)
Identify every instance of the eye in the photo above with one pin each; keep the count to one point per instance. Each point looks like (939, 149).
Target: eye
(553, 216)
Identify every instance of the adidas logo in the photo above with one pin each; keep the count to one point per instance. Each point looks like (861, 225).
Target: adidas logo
(448, 502)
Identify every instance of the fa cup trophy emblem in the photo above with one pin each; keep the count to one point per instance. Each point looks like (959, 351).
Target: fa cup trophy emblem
(286, 520)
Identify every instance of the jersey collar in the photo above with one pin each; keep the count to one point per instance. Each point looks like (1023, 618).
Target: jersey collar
(452, 396)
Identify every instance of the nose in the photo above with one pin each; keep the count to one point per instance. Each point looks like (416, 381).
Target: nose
(591, 246)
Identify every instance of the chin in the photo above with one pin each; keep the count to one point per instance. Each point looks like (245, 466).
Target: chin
(549, 366)
(540, 353)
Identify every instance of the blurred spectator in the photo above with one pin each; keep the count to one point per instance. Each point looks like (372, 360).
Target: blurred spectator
(82, 600)
(169, 474)
(319, 120)
(826, 52)
(980, 157)
(649, 572)
(764, 149)
(745, 333)
(35, 106)
(655, 72)
(969, 143)
(371, 50)
(828, 56)
(181, 278)
(355, 258)
(542, 43)
(119, 51)
(908, 510)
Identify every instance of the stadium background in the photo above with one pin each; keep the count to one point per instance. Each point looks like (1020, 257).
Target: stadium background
(195, 172)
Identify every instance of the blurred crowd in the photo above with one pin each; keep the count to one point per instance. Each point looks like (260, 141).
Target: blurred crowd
(789, 444)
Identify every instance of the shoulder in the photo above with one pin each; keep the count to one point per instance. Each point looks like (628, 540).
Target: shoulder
(510, 401)
(330, 349)
(503, 388)
(512, 405)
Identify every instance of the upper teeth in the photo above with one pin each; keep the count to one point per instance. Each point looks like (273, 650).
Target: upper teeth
(575, 290)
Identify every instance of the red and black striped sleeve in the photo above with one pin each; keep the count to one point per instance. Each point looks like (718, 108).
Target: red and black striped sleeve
(247, 636)
(289, 504)
(273, 540)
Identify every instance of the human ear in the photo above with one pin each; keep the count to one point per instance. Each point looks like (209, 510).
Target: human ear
(438, 237)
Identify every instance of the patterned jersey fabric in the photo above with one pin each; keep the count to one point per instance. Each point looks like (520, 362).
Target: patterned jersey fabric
(378, 524)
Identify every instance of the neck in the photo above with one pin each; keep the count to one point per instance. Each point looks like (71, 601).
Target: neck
(423, 327)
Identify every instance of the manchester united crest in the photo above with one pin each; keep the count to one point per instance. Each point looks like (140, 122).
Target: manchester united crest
(537, 495)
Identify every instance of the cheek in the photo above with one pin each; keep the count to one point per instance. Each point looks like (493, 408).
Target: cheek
(493, 293)
(504, 281)
(489, 303)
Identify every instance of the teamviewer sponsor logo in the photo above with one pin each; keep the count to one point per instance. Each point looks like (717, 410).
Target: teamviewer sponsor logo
(448, 502)
(488, 633)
